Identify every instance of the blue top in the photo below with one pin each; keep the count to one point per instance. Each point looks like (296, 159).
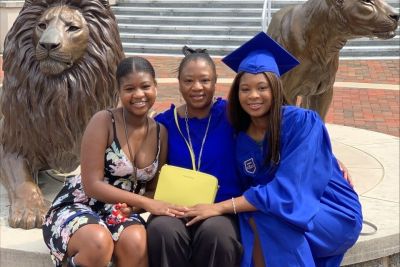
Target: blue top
(306, 182)
(218, 156)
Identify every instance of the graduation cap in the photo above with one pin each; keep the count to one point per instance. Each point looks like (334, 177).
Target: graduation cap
(261, 54)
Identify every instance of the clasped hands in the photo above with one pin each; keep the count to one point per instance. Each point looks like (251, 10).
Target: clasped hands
(193, 214)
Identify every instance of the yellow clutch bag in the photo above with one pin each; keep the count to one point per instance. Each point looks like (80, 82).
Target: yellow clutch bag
(186, 187)
(183, 186)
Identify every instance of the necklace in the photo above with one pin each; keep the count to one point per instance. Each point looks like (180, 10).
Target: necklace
(190, 140)
(134, 168)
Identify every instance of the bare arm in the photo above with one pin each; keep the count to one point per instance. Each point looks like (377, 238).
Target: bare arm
(94, 144)
(203, 211)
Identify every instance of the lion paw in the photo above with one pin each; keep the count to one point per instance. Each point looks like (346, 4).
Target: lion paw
(28, 207)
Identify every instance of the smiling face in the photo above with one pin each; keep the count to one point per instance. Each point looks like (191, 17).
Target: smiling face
(138, 92)
(255, 95)
(197, 84)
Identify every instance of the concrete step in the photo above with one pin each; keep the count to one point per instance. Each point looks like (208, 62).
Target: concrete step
(131, 48)
(389, 51)
(164, 26)
(219, 3)
(193, 4)
(225, 37)
(186, 11)
(189, 20)
(231, 40)
(374, 42)
(188, 29)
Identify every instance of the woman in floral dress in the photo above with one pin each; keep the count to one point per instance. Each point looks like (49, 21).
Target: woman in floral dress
(121, 153)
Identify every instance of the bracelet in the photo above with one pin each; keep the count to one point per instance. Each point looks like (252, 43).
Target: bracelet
(234, 206)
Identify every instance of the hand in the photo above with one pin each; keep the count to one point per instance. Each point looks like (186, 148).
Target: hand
(158, 207)
(126, 211)
(346, 173)
(201, 212)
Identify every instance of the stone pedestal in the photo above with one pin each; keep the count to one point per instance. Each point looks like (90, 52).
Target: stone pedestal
(9, 11)
(373, 161)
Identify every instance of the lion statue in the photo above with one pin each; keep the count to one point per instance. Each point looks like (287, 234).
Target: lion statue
(60, 59)
(314, 32)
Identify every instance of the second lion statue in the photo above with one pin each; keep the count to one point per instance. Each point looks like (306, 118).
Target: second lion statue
(59, 64)
(315, 32)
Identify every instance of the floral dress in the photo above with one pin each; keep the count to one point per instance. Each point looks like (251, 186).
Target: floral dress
(72, 209)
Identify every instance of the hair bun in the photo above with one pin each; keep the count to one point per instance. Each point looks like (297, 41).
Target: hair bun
(186, 50)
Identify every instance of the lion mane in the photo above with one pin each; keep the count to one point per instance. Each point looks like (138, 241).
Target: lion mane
(44, 116)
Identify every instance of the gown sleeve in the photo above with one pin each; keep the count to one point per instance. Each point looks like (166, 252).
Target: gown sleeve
(303, 173)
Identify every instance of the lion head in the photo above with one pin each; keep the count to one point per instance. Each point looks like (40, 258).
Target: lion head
(370, 18)
(59, 66)
(60, 37)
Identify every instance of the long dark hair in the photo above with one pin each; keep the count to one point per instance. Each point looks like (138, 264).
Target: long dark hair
(241, 120)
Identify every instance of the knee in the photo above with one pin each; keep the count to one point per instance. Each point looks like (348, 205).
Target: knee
(133, 240)
(101, 241)
(218, 228)
(91, 245)
(220, 232)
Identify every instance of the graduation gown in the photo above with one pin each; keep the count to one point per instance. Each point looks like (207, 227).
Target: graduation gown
(307, 213)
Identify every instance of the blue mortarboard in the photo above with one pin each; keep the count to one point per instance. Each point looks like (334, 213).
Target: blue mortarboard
(261, 54)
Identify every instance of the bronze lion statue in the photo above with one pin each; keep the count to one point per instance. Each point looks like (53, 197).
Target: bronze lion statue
(315, 31)
(59, 64)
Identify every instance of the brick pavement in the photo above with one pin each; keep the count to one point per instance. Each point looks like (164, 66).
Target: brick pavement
(371, 109)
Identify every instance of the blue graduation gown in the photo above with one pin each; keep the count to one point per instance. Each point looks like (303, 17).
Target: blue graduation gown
(307, 214)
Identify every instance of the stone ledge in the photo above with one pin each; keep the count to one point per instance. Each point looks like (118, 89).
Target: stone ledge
(390, 261)
(372, 159)
(373, 249)
(20, 258)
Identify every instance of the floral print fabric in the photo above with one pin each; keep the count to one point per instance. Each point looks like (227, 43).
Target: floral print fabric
(72, 209)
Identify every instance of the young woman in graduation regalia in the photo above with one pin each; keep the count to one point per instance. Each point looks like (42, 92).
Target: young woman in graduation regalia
(296, 208)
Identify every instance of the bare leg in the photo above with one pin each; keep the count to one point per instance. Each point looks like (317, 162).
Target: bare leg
(258, 257)
(91, 246)
(131, 248)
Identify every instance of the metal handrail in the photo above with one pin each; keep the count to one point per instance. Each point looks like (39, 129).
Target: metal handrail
(265, 21)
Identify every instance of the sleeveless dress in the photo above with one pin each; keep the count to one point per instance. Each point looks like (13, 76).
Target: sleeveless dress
(72, 209)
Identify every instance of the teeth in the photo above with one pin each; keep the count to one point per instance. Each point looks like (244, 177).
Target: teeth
(255, 105)
(141, 103)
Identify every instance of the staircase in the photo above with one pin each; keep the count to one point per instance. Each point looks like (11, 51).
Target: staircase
(162, 27)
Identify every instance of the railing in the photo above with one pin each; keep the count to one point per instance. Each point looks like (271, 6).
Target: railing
(266, 15)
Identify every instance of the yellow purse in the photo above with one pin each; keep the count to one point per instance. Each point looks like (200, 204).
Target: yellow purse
(183, 186)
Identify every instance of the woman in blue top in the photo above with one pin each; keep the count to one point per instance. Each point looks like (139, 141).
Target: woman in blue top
(204, 124)
(296, 209)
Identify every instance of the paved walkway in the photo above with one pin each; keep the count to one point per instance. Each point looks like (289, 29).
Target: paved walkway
(366, 92)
